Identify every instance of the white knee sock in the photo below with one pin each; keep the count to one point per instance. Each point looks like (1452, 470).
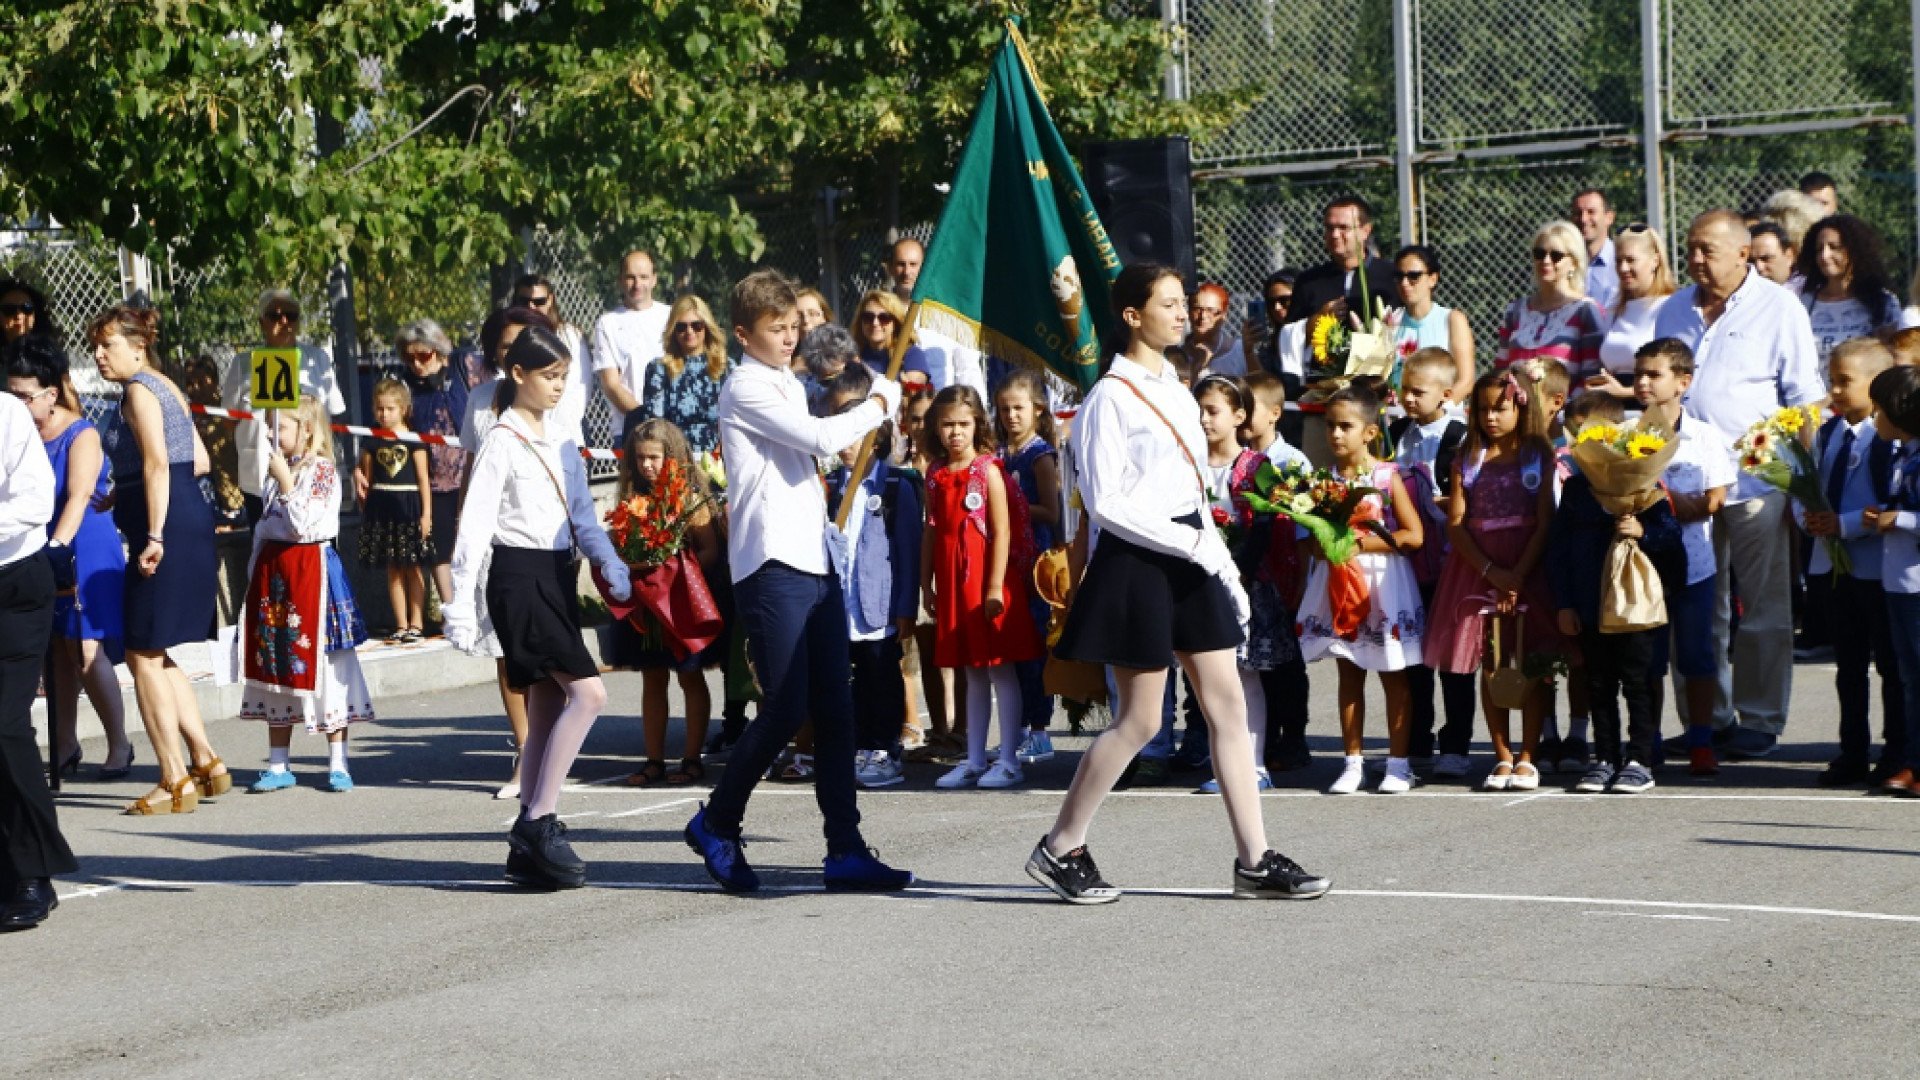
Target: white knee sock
(1006, 694)
(277, 757)
(337, 756)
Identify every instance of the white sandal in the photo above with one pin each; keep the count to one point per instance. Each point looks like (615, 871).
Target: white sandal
(1524, 781)
(1497, 780)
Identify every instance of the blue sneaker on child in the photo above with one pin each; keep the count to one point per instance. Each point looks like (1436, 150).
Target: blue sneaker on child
(338, 780)
(862, 871)
(724, 856)
(272, 781)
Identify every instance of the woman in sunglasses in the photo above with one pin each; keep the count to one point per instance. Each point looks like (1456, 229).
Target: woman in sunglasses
(686, 394)
(23, 311)
(878, 322)
(1558, 321)
(1420, 323)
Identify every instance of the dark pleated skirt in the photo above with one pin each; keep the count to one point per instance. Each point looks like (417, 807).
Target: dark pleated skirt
(1136, 608)
(533, 597)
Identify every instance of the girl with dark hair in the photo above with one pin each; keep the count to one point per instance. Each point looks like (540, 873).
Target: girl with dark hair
(85, 550)
(1845, 282)
(1160, 587)
(24, 311)
(528, 509)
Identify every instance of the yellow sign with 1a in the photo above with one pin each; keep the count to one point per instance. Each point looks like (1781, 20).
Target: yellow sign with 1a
(275, 381)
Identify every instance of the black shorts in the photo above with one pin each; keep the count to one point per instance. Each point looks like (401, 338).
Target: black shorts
(1136, 608)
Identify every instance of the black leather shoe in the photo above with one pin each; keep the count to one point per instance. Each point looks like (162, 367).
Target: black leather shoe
(1843, 773)
(543, 843)
(32, 901)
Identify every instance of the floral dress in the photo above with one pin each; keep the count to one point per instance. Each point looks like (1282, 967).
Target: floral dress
(1389, 636)
(690, 401)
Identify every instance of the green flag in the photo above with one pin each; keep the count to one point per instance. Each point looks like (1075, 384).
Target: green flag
(1020, 266)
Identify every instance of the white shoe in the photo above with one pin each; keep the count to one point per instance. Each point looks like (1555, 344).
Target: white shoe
(1351, 778)
(508, 790)
(1451, 766)
(1497, 780)
(1002, 775)
(962, 775)
(1525, 777)
(881, 770)
(1394, 785)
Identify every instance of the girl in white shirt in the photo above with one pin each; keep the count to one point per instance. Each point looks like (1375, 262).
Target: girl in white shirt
(528, 501)
(1161, 587)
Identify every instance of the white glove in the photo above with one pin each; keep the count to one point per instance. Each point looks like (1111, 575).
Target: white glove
(1242, 609)
(619, 580)
(459, 623)
(1210, 551)
(888, 392)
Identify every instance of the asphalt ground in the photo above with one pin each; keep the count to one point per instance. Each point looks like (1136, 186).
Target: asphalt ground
(1750, 926)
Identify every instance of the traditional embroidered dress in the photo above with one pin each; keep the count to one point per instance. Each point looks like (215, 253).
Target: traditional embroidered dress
(300, 624)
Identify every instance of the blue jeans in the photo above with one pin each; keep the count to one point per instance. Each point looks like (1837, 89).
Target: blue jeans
(1903, 620)
(796, 627)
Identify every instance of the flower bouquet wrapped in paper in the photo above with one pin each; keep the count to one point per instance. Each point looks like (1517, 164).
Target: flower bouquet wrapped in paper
(1771, 450)
(1623, 466)
(1330, 508)
(671, 599)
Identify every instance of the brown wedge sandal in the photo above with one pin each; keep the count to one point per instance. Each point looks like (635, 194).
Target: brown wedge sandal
(211, 786)
(181, 800)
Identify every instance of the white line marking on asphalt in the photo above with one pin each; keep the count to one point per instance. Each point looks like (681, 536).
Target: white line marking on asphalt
(1655, 915)
(652, 809)
(1022, 892)
(1526, 799)
(806, 791)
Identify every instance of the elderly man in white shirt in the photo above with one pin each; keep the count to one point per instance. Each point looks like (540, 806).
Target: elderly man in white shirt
(1754, 354)
(279, 314)
(30, 842)
(787, 594)
(628, 338)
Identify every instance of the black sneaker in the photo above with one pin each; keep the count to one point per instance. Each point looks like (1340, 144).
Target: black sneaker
(1277, 878)
(1547, 756)
(524, 872)
(543, 841)
(1072, 876)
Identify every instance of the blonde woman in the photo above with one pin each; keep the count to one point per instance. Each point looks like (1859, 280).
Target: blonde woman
(683, 386)
(1558, 321)
(1645, 283)
(878, 322)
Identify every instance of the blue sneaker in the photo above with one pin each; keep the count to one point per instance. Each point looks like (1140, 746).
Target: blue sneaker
(862, 871)
(272, 781)
(1262, 781)
(724, 856)
(338, 780)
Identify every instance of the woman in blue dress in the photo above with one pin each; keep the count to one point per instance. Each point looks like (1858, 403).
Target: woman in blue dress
(157, 458)
(683, 386)
(90, 567)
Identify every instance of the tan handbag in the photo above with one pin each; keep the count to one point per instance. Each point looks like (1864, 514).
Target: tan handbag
(1507, 685)
(1631, 597)
(1073, 680)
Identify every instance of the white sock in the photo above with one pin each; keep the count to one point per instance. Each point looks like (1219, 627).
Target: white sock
(1399, 768)
(337, 756)
(1356, 761)
(1006, 693)
(1577, 728)
(277, 758)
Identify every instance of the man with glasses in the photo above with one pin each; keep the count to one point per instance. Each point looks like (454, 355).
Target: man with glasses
(628, 338)
(568, 419)
(1593, 216)
(279, 313)
(1282, 352)
(1333, 287)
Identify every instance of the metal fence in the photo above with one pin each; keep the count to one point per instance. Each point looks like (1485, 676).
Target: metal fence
(1467, 123)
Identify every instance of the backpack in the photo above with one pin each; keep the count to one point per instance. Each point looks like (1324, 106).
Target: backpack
(1020, 546)
(1431, 556)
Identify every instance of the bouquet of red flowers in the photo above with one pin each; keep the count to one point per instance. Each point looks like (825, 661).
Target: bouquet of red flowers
(1331, 509)
(671, 599)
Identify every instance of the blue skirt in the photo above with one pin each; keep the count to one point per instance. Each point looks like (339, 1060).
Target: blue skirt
(175, 605)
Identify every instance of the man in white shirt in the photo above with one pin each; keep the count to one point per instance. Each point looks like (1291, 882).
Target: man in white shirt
(1753, 354)
(1593, 216)
(32, 850)
(628, 338)
(279, 314)
(787, 594)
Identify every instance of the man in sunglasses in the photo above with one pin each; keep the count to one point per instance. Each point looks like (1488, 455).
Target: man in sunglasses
(279, 314)
(1333, 287)
(1593, 215)
(628, 338)
(567, 418)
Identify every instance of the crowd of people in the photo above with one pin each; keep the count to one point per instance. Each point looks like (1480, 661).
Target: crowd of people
(841, 521)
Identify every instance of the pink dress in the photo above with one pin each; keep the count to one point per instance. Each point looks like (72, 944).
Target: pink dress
(1502, 516)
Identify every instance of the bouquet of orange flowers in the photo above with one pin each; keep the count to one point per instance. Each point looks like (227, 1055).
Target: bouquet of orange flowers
(671, 600)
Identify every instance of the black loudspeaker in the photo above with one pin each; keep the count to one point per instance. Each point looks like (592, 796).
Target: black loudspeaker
(1143, 191)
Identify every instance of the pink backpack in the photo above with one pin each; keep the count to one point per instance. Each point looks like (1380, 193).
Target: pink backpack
(1431, 556)
(1021, 552)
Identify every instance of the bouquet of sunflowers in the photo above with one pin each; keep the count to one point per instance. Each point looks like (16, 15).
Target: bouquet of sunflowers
(1623, 465)
(1771, 450)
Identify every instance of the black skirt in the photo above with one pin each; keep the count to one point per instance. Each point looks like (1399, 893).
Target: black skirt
(1136, 608)
(533, 597)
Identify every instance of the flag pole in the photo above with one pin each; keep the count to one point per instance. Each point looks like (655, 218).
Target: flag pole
(858, 475)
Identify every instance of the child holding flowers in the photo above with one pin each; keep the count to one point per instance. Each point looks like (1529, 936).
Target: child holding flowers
(1614, 499)
(665, 508)
(1498, 509)
(1362, 605)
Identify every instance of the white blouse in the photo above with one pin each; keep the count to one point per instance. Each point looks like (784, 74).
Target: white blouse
(513, 500)
(1134, 479)
(308, 514)
(1632, 328)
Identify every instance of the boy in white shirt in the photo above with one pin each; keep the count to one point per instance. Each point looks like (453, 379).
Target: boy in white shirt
(787, 596)
(1697, 480)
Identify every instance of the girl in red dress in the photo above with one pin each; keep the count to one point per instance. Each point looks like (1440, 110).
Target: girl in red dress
(976, 562)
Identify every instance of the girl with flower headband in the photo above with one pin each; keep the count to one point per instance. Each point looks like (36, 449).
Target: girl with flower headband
(976, 563)
(1498, 510)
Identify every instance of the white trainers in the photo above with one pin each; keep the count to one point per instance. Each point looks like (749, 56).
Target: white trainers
(962, 775)
(1003, 775)
(880, 770)
(1036, 747)
(1351, 778)
(1451, 766)
(1394, 785)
